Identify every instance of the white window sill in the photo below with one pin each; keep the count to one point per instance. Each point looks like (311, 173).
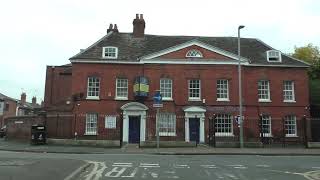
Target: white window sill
(266, 135)
(224, 134)
(293, 135)
(93, 98)
(223, 100)
(194, 99)
(167, 99)
(121, 98)
(264, 100)
(289, 101)
(105, 57)
(90, 134)
(167, 134)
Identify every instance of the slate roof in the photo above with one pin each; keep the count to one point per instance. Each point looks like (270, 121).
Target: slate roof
(131, 49)
(26, 105)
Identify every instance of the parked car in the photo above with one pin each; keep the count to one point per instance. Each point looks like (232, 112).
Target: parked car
(3, 131)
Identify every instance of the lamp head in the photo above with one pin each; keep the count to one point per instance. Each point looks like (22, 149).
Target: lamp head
(241, 26)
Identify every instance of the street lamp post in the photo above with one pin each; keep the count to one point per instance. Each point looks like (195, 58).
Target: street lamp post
(240, 89)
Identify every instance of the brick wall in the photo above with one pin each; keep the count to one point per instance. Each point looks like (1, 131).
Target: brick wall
(58, 85)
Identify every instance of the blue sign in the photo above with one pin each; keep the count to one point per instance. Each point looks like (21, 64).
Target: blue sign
(157, 100)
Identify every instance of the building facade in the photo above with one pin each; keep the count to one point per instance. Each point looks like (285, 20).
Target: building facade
(111, 84)
(13, 107)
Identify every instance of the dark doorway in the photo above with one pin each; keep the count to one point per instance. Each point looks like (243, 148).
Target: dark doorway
(194, 127)
(134, 129)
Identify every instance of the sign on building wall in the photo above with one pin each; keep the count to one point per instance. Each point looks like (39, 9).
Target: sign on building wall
(110, 122)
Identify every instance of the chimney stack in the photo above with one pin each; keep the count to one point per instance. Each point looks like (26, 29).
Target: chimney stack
(138, 26)
(113, 28)
(34, 100)
(23, 98)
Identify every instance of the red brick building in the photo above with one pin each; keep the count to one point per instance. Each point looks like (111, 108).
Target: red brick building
(113, 81)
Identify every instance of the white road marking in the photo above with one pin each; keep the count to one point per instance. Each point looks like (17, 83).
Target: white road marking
(76, 171)
(262, 165)
(311, 175)
(209, 166)
(96, 172)
(235, 165)
(121, 165)
(146, 165)
(240, 167)
(181, 166)
(116, 172)
(134, 172)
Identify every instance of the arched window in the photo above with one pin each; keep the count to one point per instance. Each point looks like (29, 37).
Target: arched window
(193, 53)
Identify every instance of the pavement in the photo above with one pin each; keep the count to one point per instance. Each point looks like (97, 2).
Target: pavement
(134, 149)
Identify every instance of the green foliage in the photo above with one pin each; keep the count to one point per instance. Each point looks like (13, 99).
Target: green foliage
(314, 91)
(311, 55)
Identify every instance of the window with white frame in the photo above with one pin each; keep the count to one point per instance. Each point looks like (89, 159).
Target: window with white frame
(91, 123)
(93, 89)
(110, 52)
(193, 53)
(266, 125)
(110, 122)
(263, 90)
(223, 125)
(222, 90)
(290, 123)
(273, 56)
(122, 88)
(166, 88)
(194, 89)
(167, 124)
(1, 107)
(288, 91)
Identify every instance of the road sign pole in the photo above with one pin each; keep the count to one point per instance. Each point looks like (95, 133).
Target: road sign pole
(157, 129)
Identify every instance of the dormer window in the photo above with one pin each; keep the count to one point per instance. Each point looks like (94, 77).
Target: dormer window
(110, 52)
(274, 56)
(193, 53)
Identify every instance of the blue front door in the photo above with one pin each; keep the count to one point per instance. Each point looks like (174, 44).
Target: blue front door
(194, 124)
(134, 129)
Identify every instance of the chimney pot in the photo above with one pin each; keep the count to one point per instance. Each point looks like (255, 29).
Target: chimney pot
(23, 98)
(138, 26)
(110, 28)
(34, 100)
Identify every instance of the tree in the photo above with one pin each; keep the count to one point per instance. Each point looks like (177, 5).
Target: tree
(311, 55)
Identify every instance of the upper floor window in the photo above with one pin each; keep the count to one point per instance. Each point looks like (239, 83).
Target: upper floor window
(110, 52)
(222, 90)
(288, 91)
(194, 89)
(166, 88)
(274, 56)
(122, 88)
(93, 89)
(1, 107)
(263, 90)
(193, 53)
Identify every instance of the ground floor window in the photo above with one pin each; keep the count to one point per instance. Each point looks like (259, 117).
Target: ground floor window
(223, 125)
(167, 124)
(266, 125)
(91, 123)
(290, 125)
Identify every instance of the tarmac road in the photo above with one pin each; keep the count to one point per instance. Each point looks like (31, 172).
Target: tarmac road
(21, 165)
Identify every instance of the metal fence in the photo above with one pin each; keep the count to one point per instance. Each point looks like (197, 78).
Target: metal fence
(262, 131)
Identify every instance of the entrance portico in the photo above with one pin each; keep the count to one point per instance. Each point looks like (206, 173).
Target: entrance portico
(194, 123)
(137, 112)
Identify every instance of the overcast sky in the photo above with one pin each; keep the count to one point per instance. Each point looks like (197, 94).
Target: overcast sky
(36, 33)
